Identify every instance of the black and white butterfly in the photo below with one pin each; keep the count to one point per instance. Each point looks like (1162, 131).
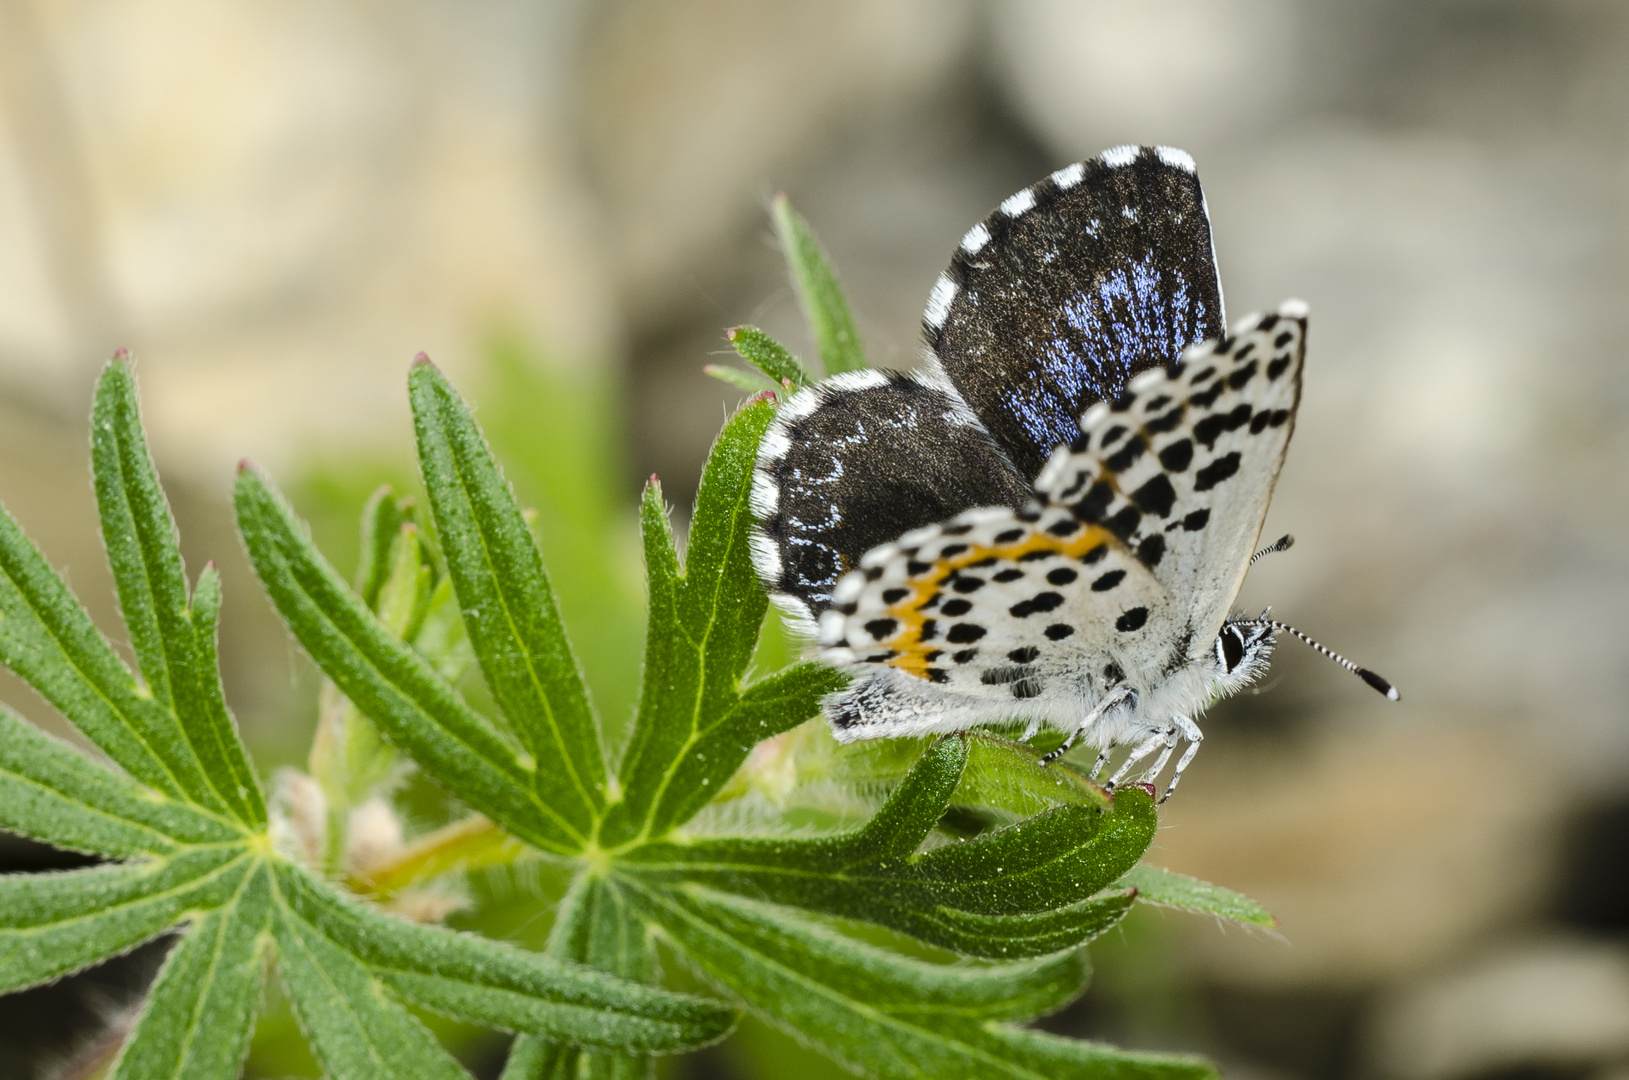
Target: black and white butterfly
(1051, 523)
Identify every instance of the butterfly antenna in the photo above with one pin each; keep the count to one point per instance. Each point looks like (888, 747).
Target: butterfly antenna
(1283, 543)
(1374, 680)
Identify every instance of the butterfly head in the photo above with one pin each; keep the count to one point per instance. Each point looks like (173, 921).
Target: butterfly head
(1241, 652)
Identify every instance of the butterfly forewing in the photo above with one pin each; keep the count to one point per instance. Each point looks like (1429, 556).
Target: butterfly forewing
(1073, 286)
(1182, 466)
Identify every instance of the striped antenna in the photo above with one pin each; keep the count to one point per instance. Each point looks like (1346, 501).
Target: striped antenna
(1374, 680)
(1283, 543)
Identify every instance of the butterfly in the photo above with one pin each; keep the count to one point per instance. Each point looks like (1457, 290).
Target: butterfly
(1049, 524)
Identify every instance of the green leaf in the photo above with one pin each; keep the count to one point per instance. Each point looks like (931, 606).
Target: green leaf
(592, 926)
(191, 817)
(48, 640)
(52, 792)
(382, 520)
(1028, 889)
(768, 707)
(475, 979)
(508, 604)
(704, 622)
(357, 1030)
(1009, 776)
(199, 1013)
(769, 356)
(142, 549)
(749, 381)
(819, 292)
(51, 924)
(1170, 889)
(393, 685)
(883, 1015)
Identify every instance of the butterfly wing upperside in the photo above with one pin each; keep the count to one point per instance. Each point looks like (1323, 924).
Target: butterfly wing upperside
(1069, 289)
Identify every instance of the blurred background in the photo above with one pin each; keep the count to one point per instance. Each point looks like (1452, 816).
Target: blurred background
(275, 205)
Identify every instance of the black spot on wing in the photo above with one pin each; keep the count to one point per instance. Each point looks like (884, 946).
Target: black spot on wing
(1151, 550)
(1131, 619)
(1122, 459)
(1217, 471)
(1042, 602)
(1211, 427)
(1177, 456)
(1157, 496)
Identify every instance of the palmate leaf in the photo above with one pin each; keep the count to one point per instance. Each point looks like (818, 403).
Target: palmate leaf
(1026, 890)
(696, 724)
(395, 686)
(188, 814)
(508, 604)
(886, 1016)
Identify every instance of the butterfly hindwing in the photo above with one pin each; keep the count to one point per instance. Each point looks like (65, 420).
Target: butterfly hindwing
(1009, 606)
(1072, 287)
(856, 461)
(1181, 467)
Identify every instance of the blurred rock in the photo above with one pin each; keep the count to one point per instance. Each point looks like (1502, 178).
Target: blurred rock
(1558, 1003)
(690, 106)
(289, 201)
(1383, 845)
(1193, 73)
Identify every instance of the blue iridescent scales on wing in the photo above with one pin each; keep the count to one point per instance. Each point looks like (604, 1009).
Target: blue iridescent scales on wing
(1051, 523)
(1123, 321)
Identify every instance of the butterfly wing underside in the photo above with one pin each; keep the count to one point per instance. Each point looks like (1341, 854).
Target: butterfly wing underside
(1182, 467)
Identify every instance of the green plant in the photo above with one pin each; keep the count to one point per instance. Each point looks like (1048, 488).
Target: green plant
(187, 819)
(906, 938)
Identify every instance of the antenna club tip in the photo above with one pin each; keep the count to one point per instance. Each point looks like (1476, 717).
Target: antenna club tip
(1379, 684)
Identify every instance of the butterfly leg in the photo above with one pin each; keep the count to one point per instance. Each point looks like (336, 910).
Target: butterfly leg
(1165, 755)
(1115, 697)
(1144, 748)
(1191, 732)
(1102, 760)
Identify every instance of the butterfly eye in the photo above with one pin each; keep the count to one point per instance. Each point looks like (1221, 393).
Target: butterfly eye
(1230, 648)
